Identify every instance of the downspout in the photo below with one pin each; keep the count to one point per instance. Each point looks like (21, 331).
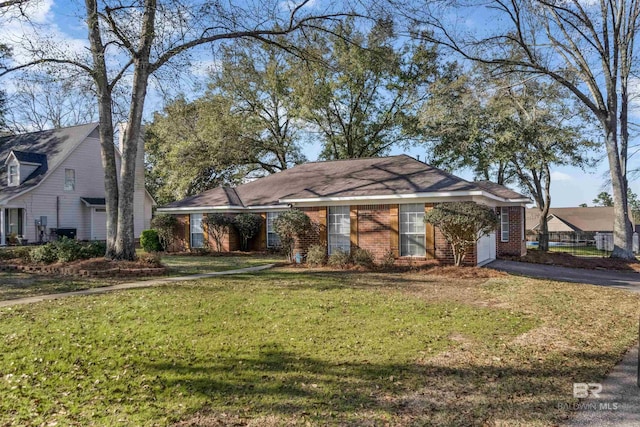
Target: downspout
(57, 213)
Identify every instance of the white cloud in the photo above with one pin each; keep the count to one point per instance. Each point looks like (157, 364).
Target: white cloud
(560, 176)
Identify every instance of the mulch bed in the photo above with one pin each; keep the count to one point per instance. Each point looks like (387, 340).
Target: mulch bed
(568, 260)
(95, 267)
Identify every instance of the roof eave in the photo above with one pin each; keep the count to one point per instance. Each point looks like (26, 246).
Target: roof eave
(408, 196)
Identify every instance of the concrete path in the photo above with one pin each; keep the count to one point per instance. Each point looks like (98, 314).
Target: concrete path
(130, 285)
(616, 279)
(619, 402)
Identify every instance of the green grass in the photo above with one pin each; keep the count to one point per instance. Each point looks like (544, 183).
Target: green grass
(324, 348)
(195, 264)
(20, 285)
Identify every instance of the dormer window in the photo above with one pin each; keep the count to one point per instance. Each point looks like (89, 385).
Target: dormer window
(13, 175)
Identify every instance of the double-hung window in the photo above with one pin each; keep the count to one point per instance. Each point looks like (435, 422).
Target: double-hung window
(69, 180)
(412, 230)
(273, 240)
(339, 229)
(13, 175)
(197, 233)
(504, 224)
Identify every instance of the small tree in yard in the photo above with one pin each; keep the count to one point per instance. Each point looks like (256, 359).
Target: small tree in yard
(462, 224)
(248, 225)
(218, 225)
(290, 225)
(164, 225)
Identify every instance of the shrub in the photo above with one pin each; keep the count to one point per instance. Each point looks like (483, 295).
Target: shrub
(248, 225)
(68, 250)
(462, 224)
(45, 254)
(22, 252)
(290, 225)
(149, 241)
(339, 258)
(317, 255)
(362, 257)
(164, 225)
(388, 260)
(218, 226)
(94, 249)
(150, 259)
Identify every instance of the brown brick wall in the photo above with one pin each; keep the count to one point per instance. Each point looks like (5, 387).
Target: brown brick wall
(230, 242)
(374, 229)
(516, 244)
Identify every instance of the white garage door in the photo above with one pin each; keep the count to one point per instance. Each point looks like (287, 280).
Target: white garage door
(99, 231)
(487, 248)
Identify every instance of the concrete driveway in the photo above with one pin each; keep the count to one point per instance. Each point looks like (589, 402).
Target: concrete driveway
(615, 279)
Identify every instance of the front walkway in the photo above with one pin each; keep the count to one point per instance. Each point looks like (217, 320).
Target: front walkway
(629, 281)
(130, 285)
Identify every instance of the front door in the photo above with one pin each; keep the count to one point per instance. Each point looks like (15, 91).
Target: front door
(13, 222)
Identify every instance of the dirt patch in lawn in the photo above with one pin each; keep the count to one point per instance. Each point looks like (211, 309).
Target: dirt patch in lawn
(568, 260)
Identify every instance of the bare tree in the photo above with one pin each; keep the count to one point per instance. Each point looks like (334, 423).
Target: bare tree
(131, 40)
(42, 103)
(588, 47)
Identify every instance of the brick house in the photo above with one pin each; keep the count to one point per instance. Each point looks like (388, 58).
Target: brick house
(376, 204)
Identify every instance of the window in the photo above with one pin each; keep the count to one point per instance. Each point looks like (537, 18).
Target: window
(412, 230)
(69, 180)
(13, 175)
(504, 224)
(339, 229)
(273, 240)
(197, 235)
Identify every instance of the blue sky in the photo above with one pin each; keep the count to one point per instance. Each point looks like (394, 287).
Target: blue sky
(570, 186)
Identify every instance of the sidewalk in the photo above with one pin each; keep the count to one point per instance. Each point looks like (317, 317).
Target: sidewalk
(130, 285)
(619, 402)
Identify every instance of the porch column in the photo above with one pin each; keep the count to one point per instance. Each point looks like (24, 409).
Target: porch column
(3, 240)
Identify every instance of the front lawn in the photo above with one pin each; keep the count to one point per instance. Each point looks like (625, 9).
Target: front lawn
(326, 348)
(20, 285)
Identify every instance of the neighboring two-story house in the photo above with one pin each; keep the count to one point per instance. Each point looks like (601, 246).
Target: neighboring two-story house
(52, 184)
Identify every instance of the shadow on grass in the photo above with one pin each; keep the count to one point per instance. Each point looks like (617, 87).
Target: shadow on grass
(286, 385)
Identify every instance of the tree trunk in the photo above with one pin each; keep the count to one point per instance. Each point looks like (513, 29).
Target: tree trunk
(622, 230)
(100, 77)
(125, 240)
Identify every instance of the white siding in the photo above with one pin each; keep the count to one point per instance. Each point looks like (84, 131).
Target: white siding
(87, 163)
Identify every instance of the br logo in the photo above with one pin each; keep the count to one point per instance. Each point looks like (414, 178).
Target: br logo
(582, 390)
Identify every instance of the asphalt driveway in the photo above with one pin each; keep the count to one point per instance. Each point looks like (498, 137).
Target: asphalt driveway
(616, 279)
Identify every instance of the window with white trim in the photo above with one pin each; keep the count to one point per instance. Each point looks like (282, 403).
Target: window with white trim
(504, 224)
(273, 240)
(338, 229)
(197, 233)
(13, 175)
(412, 230)
(69, 180)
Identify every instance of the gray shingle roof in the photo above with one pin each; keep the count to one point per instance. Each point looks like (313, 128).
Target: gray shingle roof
(382, 176)
(52, 145)
(596, 218)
